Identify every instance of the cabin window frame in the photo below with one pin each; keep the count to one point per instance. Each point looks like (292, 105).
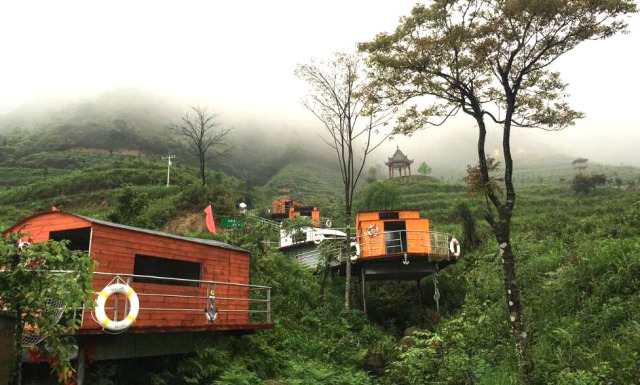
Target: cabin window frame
(165, 268)
(71, 245)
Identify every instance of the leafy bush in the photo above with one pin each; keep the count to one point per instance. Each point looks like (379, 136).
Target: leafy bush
(584, 183)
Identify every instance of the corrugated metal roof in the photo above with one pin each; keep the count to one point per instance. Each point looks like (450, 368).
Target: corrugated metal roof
(208, 242)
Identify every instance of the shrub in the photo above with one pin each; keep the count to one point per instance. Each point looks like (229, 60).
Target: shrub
(584, 183)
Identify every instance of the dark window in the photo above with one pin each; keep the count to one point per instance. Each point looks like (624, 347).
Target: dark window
(164, 267)
(393, 215)
(395, 237)
(304, 211)
(79, 239)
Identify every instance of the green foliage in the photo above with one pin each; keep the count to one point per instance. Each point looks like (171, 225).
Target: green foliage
(584, 183)
(295, 227)
(470, 239)
(372, 175)
(383, 195)
(424, 169)
(28, 287)
(128, 205)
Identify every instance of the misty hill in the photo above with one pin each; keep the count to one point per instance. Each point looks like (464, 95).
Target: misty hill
(132, 122)
(121, 119)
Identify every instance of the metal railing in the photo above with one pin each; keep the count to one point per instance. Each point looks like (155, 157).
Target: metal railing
(406, 241)
(209, 298)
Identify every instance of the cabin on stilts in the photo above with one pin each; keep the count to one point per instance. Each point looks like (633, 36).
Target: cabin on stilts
(399, 245)
(186, 289)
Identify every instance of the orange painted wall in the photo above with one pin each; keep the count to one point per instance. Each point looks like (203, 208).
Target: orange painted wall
(114, 249)
(417, 240)
(375, 246)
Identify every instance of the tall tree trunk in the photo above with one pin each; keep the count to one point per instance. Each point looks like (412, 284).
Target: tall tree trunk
(347, 280)
(202, 159)
(503, 231)
(512, 291)
(323, 284)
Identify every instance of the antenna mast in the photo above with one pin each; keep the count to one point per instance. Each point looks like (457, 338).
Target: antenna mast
(168, 158)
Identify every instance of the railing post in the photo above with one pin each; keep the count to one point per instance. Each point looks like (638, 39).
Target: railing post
(115, 309)
(126, 300)
(269, 304)
(206, 301)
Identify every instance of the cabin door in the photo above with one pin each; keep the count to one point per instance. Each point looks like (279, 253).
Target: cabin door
(395, 237)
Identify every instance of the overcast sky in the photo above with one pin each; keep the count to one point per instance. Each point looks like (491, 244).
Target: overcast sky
(239, 57)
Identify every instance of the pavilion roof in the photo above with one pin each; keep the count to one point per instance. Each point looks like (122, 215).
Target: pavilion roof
(399, 157)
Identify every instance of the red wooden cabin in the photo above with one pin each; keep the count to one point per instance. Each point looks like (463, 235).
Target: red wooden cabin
(173, 276)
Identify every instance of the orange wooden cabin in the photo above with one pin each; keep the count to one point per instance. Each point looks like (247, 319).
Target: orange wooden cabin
(387, 234)
(399, 245)
(287, 209)
(175, 277)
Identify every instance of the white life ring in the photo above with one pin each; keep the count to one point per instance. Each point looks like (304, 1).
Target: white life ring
(454, 247)
(355, 257)
(372, 231)
(327, 223)
(134, 307)
(23, 244)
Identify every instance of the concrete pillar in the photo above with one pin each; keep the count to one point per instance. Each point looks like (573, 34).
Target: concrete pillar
(7, 346)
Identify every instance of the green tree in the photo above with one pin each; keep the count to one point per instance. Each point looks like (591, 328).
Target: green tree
(472, 55)
(372, 175)
(45, 303)
(424, 169)
(338, 98)
(383, 195)
(128, 204)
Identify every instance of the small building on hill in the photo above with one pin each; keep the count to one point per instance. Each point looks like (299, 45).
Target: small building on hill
(185, 286)
(285, 208)
(399, 161)
(303, 245)
(580, 163)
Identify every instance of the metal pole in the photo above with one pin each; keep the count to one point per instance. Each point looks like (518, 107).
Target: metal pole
(364, 298)
(168, 158)
(81, 365)
(126, 300)
(115, 310)
(269, 305)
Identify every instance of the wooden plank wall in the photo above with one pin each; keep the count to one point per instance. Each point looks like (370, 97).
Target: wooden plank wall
(114, 249)
(37, 228)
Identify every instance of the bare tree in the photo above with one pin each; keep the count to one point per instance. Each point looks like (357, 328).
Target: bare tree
(472, 55)
(338, 97)
(201, 134)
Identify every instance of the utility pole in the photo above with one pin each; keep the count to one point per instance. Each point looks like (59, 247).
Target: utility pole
(168, 158)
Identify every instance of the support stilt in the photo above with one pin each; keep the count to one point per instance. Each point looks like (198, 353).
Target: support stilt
(364, 300)
(81, 366)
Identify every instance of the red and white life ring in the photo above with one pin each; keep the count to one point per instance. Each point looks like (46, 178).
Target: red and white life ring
(373, 231)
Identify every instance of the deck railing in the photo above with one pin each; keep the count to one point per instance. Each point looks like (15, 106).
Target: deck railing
(406, 241)
(203, 297)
